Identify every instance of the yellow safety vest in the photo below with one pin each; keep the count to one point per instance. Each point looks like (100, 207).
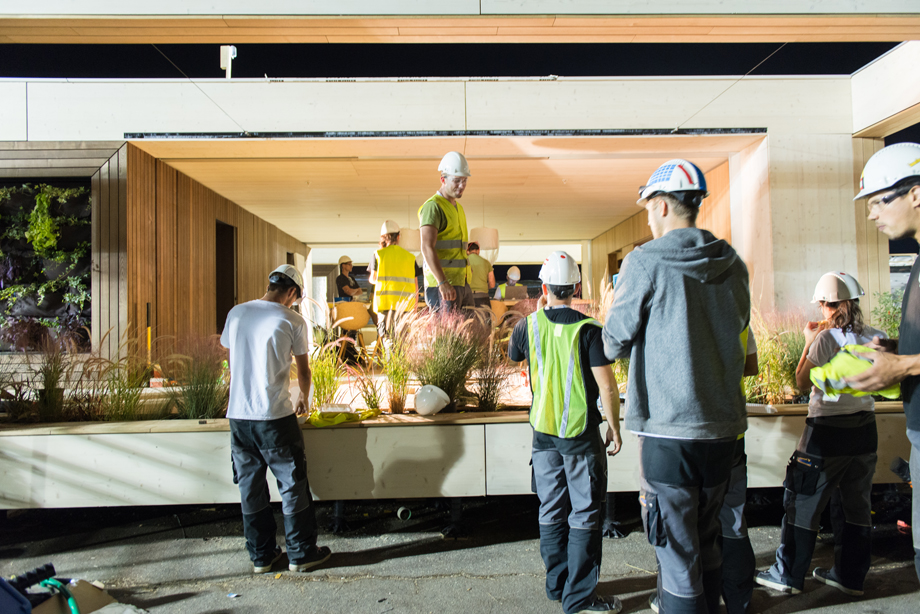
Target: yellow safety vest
(451, 244)
(560, 404)
(395, 279)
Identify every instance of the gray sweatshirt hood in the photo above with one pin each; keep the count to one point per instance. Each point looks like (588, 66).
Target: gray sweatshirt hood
(692, 252)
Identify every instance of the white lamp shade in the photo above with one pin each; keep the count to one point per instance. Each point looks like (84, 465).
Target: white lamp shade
(487, 238)
(410, 239)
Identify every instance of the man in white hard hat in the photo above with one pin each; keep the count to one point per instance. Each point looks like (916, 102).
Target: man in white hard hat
(442, 225)
(570, 377)
(482, 279)
(512, 277)
(681, 307)
(392, 271)
(262, 336)
(890, 183)
(346, 285)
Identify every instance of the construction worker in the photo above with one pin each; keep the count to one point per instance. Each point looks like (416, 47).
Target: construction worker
(681, 306)
(482, 279)
(568, 374)
(346, 285)
(392, 271)
(838, 449)
(442, 225)
(513, 276)
(891, 184)
(262, 335)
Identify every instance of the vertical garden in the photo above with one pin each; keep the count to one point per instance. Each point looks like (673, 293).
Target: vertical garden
(45, 259)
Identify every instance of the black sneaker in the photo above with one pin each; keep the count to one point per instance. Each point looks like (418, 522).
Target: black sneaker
(827, 576)
(765, 578)
(316, 558)
(266, 566)
(653, 603)
(610, 604)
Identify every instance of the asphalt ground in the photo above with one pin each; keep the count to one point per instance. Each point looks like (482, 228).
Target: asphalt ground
(192, 559)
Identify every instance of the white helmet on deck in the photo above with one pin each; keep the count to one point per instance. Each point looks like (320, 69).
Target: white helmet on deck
(888, 166)
(560, 269)
(429, 400)
(454, 164)
(837, 286)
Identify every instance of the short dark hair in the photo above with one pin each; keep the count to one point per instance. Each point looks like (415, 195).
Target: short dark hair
(685, 205)
(279, 282)
(561, 292)
(471, 246)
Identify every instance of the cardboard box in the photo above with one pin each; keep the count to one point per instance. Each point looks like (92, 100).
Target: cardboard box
(88, 597)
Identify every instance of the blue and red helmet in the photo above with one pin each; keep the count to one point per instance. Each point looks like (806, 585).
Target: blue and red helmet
(679, 177)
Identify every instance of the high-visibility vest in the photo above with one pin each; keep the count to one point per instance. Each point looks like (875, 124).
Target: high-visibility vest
(560, 404)
(395, 279)
(501, 290)
(451, 244)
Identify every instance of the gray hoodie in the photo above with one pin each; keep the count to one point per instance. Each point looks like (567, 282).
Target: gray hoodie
(681, 304)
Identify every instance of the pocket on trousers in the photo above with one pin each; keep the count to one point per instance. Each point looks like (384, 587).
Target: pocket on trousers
(651, 517)
(802, 474)
(533, 478)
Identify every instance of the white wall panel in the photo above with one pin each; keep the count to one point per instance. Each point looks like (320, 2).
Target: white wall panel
(13, 111)
(99, 110)
(887, 86)
(787, 105)
(694, 7)
(241, 7)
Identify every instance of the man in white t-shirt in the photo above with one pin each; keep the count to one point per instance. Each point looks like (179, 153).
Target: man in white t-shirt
(262, 335)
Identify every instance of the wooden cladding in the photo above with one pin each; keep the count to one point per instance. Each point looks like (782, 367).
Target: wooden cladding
(172, 262)
(109, 284)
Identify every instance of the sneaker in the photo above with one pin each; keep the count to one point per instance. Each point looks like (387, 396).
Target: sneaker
(610, 604)
(653, 603)
(827, 576)
(267, 567)
(765, 578)
(319, 556)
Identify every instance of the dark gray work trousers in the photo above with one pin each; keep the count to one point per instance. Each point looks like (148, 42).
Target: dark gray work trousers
(572, 489)
(833, 452)
(258, 445)
(738, 561)
(914, 437)
(682, 488)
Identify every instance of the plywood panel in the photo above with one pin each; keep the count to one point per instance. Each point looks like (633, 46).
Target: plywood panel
(876, 115)
(871, 245)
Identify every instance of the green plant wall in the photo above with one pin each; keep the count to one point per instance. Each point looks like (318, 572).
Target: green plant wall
(45, 257)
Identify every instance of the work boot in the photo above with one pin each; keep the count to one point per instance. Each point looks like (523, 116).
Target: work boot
(766, 578)
(827, 576)
(266, 566)
(314, 558)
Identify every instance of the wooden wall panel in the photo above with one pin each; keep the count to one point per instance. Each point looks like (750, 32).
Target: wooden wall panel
(715, 214)
(871, 246)
(170, 250)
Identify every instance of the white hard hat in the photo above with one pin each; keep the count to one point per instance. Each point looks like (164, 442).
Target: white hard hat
(389, 227)
(429, 400)
(676, 175)
(344, 260)
(514, 273)
(888, 166)
(290, 272)
(560, 269)
(454, 164)
(837, 286)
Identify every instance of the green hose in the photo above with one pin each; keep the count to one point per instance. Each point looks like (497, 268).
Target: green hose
(62, 588)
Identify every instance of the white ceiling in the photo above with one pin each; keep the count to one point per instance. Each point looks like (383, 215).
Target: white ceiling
(532, 189)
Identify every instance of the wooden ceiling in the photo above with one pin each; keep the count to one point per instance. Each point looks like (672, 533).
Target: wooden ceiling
(534, 188)
(485, 29)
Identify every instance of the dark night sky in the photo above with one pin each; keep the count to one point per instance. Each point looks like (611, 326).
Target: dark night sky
(447, 60)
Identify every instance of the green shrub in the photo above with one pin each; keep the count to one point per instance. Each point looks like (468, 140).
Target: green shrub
(444, 348)
(886, 315)
(202, 392)
(326, 371)
(780, 342)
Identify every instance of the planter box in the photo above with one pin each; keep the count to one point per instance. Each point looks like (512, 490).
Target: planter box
(167, 462)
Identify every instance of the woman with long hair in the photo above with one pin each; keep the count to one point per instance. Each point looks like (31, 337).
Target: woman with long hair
(836, 451)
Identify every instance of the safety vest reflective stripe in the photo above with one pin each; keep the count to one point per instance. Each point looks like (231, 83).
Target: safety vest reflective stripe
(450, 244)
(395, 288)
(556, 356)
(404, 280)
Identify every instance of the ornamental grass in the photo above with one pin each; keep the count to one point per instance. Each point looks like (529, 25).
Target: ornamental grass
(443, 349)
(202, 391)
(780, 342)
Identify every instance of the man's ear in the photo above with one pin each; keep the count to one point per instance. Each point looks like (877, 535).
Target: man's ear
(665, 209)
(914, 196)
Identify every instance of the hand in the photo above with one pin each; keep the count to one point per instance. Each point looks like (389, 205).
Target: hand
(448, 292)
(886, 370)
(884, 345)
(541, 302)
(300, 407)
(613, 435)
(811, 331)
